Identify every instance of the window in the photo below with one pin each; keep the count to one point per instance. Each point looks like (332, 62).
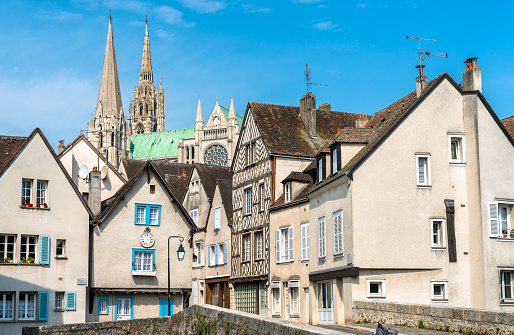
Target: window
(337, 219)
(294, 292)
(103, 305)
(321, 235)
(376, 288)
(41, 192)
(152, 189)
(60, 249)
(438, 228)
(216, 218)
(143, 260)
(499, 219)
(248, 154)
(246, 248)
(194, 292)
(123, 305)
(259, 245)
(26, 189)
(27, 306)
(199, 253)
(7, 244)
(193, 213)
(284, 244)
(248, 201)
(194, 187)
(423, 170)
(275, 292)
(148, 214)
(287, 192)
(456, 148)
(6, 306)
(320, 169)
(212, 258)
(439, 290)
(506, 285)
(222, 253)
(261, 188)
(85, 196)
(28, 248)
(333, 158)
(254, 152)
(325, 302)
(59, 301)
(305, 240)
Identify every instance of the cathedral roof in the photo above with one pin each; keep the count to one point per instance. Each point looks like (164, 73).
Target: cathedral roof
(239, 118)
(158, 144)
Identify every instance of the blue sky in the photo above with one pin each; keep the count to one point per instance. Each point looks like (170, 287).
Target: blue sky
(254, 50)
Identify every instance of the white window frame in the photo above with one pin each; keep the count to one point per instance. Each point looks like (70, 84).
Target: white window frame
(319, 164)
(216, 218)
(287, 192)
(26, 192)
(248, 154)
(24, 297)
(259, 245)
(195, 187)
(322, 238)
(3, 299)
(338, 232)
(304, 227)
(199, 245)
(381, 292)
(461, 152)
(247, 247)
(333, 156)
(294, 285)
(501, 277)
(193, 213)
(194, 291)
(5, 246)
(495, 218)
(254, 152)
(442, 297)
(27, 252)
(154, 216)
(141, 215)
(442, 234)
(221, 246)
(325, 314)
(248, 201)
(42, 192)
(284, 242)
(60, 249)
(261, 189)
(276, 304)
(59, 300)
(143, 266)
(427, 171)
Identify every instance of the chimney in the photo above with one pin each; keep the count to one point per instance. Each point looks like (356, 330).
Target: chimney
(325, 107)
(308, 113)
(184, 174)
(60, 148)
(95, 184)
(421, 81)
(472, 78)
(361, 120)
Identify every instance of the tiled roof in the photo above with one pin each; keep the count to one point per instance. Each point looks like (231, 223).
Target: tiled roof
(239, 118)
(301, 196)
(225, 187)
(158, 144)
(298, 176)
(132, 166)
(9, 147)
(283, 130)
(209, 174)
(178, 185)
(351, 135)
(508, 123)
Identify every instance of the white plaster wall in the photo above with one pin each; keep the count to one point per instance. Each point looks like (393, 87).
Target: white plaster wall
(284, 166)
(197, 200)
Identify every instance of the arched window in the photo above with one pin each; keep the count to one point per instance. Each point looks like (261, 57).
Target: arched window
(101, 140)
(112, 139)
(192, 152)
(187, 152)
(155, 127)
(140, 129)
(140, 109)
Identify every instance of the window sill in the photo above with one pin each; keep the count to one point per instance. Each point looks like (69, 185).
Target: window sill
(144, 273)
(439, 300)
(376, 298)
(147, 224)
(338, 256)
(275, 316)
(61, 257)
(59, 310)
(304, 261)
(258, 260)
(197, 267)
(457, 164)
(38, 208)
(27, 320)
(424, 186)
(438, 248)
(217, 265)
(243, 262)
(505, 239)
(245, 215)
(295, 316)
(506, 302)
(285, 262)
(7, 321)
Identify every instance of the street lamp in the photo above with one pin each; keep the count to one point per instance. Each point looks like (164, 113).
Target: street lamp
(180, 255)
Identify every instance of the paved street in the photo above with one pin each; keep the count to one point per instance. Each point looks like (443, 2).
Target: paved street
(368, 328)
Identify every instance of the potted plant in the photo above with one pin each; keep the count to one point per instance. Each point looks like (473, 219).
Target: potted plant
(24, 260)
(512, 233)
(24, 202)
(30, 260)
(6, 260)
(45, 205)
(30, 205)
(38, 205)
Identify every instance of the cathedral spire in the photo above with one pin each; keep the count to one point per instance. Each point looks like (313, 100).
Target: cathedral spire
(199, 114)
(146, 73)
(109, 96)
(232, 110)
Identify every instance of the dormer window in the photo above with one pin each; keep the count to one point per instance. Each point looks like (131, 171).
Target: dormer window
(287, 192)
(320, 169)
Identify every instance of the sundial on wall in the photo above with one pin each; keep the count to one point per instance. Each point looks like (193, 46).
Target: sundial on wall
(147, 239)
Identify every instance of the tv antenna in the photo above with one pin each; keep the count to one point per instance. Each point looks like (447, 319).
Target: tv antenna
(308, 79)
(424, 54)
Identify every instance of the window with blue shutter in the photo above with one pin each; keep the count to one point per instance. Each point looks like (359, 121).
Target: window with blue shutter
(71, 301)
(43, 306)
(163, 307)
(216, 254)
(44, 256)
(224, 253)
(146, 214)
(209, 256)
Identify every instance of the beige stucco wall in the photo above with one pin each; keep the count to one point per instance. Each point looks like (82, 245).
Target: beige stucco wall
(82, 154)
(67, 218)
(295, 270)
(283, 167)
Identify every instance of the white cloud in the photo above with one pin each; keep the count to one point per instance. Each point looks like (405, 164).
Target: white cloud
(164, 35)
(362, 5)
(251, 8)
(171, 16)
(58, 16)
(325, 25)
(204, 6)
(131, 5)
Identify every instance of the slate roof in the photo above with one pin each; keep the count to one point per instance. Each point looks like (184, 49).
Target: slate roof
(9, 147)
(209, 174)
(301, 197)
(225, 187)
(239, 118)
(283, 130)
(351, 135)
(158, 144)
(297, 176)
(508, 123)
(132, 166)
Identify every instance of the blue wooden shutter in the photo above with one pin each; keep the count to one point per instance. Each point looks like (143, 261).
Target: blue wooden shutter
(44, 257)
(209, 256)
(43, 306)
(216, 254)
(224, 253)
(71, 301)
(163, 307)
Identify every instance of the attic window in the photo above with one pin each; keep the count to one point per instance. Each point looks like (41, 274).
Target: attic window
(152, 189)
(287, 192)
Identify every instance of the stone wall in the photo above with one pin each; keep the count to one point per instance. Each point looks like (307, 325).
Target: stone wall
(198, 319)
(434, 317)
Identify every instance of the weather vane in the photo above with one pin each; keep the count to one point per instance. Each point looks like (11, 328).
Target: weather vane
(423, 54)
(308, 79)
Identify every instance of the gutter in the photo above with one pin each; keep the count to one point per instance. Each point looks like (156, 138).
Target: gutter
(288, 204)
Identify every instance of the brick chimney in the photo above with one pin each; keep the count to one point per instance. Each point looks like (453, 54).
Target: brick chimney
(60, 148)
(421, 81)
(361, 120)
(472, 78)
(308, 113)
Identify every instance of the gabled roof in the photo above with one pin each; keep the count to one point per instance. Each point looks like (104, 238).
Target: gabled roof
(301, 197)
(239, 118)
(81, 137)
(158, 144)
(113, 202)
(209, 174)
(225, 187)
(298, 176)
(11, 146)
(284, 132)
(508, 123)
(351, 135)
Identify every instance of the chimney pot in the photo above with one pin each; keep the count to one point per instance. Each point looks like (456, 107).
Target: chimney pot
(95, 168)
(472, 77)
(184, 172)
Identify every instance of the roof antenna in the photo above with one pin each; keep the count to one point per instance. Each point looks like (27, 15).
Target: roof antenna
(308, 79)
(423, 54)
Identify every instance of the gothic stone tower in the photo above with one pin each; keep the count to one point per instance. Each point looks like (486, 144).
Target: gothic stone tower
(108, 130)
(147, 108)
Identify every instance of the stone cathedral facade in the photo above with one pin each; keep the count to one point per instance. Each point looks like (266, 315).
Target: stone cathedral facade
(109, 129)
(147, 108)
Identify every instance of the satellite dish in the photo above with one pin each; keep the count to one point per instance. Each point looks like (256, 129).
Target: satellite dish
(83, 172)
(103, 172)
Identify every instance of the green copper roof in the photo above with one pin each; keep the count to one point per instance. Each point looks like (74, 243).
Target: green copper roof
(239, 118)
(159, 144)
